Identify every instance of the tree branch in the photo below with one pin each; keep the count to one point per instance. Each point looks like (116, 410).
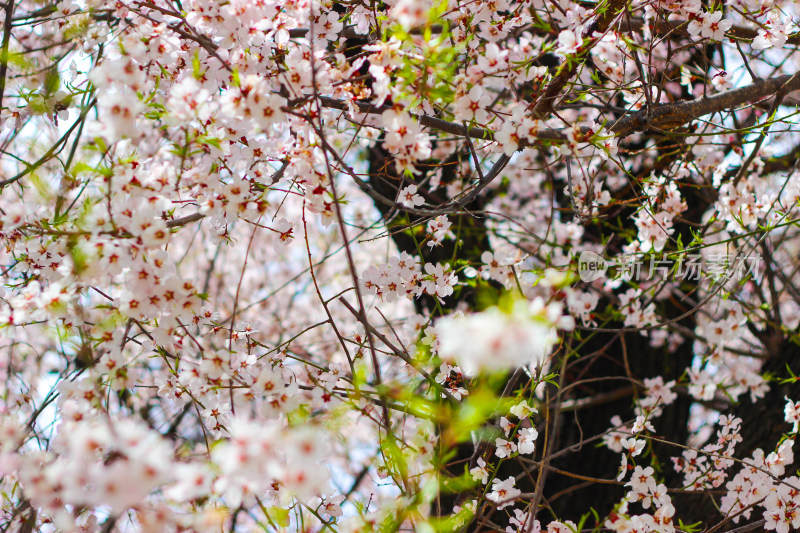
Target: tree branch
(664, 116)
(670, 116)
(6, 41)
(546, 102)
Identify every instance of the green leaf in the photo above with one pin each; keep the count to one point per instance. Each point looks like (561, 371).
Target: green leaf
(196, 69)
(279, 516)
(52, 81)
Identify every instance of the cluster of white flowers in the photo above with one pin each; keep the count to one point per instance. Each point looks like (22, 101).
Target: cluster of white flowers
(655, 221)
(582, 303)
(709, 25)
(497, 269)
(410, 13)
(438, 230)
(773, 33)
(452, 380)
(118, 83)
(160, 156)
(267, 459)
(495, 340)
(636, 313)
(518, 130)
(503, 492)
(254, 100)
(760, 482)
(792, 414)
(721, 369)
(405, 139)
(707, 467)
(743, 205)
(402, 276)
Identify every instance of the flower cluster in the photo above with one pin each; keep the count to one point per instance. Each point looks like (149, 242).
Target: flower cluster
(402, 276)
(200, 329)
(495, 340)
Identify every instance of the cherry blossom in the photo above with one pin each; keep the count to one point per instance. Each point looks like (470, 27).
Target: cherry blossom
(503, 492)
(499, 340)
(313, 266)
